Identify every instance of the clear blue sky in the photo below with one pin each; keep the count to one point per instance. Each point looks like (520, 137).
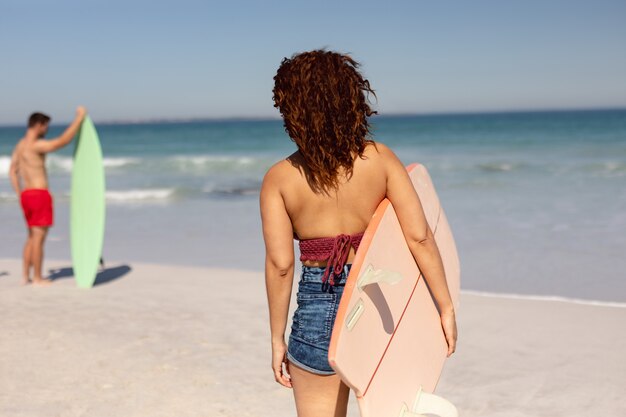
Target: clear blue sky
(129, 60)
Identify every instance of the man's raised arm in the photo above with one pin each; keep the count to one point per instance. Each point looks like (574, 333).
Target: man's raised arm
(45, 146)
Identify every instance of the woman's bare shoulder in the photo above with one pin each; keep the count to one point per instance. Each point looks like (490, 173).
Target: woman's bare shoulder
(378, 148)
(379, 153)
(283, 169)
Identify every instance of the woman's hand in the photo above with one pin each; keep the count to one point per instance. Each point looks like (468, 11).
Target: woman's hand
(279, 357)
(448, 323)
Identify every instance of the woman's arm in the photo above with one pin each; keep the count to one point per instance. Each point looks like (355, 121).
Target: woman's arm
(279, 266)
(420, 239)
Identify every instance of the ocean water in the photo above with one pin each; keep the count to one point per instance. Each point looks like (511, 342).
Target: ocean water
(537, 200)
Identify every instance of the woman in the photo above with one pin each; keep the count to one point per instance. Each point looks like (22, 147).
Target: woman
(324, 195)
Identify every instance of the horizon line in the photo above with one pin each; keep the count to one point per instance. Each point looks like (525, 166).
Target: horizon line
(200, 119)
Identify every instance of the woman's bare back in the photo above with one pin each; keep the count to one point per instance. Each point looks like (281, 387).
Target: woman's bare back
(346, 211)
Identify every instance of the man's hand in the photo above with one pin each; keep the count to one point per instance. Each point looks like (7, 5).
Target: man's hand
(81, 112)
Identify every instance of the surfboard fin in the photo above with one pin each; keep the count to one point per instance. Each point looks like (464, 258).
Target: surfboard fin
(376, 276)
(431, 404)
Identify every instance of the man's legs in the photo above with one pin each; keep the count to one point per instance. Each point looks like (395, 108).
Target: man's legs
(38, 239)
(27, 258)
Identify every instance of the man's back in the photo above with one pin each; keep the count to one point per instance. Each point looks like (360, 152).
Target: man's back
(31, 164)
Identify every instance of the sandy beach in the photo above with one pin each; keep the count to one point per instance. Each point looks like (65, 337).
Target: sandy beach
(158, 340)
(516, 109)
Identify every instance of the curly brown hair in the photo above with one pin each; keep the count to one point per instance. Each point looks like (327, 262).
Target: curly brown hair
(324, 102)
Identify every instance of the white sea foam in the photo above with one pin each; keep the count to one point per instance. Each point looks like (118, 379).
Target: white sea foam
(60, 164)
(219, 163)
(8, 196)
(120, 162)
(57, 163)
(547, 298)
(499, 166)
(140, 194)
(210, 159)
(5, 163)
(609, 169)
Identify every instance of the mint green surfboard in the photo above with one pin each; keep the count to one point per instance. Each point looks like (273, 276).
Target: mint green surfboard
(87, 206)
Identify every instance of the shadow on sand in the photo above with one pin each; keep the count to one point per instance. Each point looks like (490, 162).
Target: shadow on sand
(3, 273)
(107, 275)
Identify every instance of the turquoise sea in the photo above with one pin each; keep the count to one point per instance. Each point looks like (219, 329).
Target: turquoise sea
(537, 200)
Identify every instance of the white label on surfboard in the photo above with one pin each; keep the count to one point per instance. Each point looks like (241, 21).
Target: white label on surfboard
(354, 314)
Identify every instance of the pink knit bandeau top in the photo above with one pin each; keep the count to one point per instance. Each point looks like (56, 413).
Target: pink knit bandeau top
(333, 250)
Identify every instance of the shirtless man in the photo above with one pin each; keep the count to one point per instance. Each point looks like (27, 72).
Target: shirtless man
(30, 182)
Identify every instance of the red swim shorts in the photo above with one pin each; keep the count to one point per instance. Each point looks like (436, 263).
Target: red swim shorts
(37, 207)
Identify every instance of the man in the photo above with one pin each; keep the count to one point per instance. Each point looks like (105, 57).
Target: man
(30, 182)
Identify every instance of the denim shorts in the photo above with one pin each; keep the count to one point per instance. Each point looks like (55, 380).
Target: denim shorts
(313, 320)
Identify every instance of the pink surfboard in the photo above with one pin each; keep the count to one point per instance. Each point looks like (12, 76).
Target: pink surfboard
(387, 343)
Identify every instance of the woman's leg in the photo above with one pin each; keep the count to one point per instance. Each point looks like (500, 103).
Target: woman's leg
(318, 395)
